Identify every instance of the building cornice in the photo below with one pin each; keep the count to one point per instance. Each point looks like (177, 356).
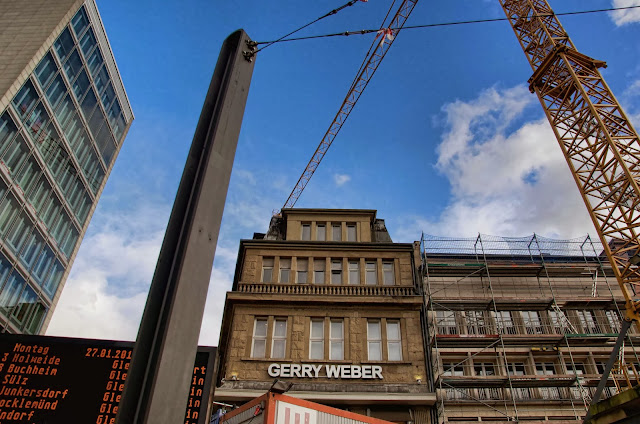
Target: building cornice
(325, 245)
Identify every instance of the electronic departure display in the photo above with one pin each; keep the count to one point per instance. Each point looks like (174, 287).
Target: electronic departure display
(63, 380)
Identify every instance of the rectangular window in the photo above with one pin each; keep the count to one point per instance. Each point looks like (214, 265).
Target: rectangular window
(388, 274)
(354, 272)
(318, 271)
(25, 99)
(374, 340)
(336, 272)
(306, 231)
(578, 369)
(259, 344)
(394, 340)
(446, 322)
(532, 322)
(63, 45)
(303, 270)
(557, 319)
(285, 269)
(516, 368)
(547, 368)
(484, 369)
(279, 340)
(33, 246)
(588, 321)
(321, 232)
(336, 340)
(16, 154)
(8, 211)
(336, 232)
(504, 322)
(477, 323)
(11, 292)
(316, 339)
(267, 270)
(46, 70)
(614, 320)
(371, 274)
(351, 232)
(50, 285)
(452, 369)
(80, 22)
(8, 130)
(43, 263)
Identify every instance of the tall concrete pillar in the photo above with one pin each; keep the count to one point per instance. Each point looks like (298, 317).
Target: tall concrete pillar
(157, 385)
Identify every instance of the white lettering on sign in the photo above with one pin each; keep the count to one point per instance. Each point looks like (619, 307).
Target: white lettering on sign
(330, 371)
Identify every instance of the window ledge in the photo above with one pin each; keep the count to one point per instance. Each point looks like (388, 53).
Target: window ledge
(267, 359)
(387, 362)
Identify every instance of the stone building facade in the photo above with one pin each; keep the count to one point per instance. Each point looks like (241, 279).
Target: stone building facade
(325, 300)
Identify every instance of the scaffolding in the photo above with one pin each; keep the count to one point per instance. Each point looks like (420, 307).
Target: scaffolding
(515, 300)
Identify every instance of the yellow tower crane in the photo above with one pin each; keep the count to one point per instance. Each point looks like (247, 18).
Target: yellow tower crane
(597, 139)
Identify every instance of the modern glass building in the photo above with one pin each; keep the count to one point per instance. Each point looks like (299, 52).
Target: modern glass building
(64, 114)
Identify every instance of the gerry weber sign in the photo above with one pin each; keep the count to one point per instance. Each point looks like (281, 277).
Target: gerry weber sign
(326, 371)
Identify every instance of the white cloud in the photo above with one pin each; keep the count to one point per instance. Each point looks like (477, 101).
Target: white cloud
(633, 89)
(341, 179)
(626, 16)
(106, 291)
(504, 182)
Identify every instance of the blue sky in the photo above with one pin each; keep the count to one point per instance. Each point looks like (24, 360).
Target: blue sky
(446, 139)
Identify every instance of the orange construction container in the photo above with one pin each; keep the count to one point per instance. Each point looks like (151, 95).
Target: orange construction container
(275, 408)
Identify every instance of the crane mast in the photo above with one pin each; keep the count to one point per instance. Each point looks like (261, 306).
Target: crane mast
(597, 139)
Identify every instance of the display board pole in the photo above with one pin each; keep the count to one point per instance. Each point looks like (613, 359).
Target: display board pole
(157, 385)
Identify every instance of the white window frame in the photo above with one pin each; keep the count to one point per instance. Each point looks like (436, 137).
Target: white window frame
(512, 368)
(395, 341)
(333, 339)
(504, 322)
(279, 338)
(588, 321)
(452, 369)
(613, 319)
(388, 273)
(556, 319)
(446, 322)
(317, 339)
(303, 269)
(267, 265)
(374, 341)
(371, 271)
(255, 337)
(483, 367)
(532, 322)
(285, 269)
(354, 267)
(336, 271)
(319, 266)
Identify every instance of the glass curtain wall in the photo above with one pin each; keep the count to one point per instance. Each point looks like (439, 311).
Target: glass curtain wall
(58, 138)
